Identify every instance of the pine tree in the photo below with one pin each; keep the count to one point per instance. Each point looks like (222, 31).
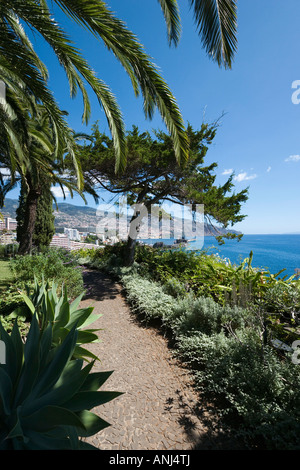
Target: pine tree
(151, 177)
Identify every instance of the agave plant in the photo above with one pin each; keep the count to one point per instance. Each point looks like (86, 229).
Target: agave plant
(46, 397)
(54, 308)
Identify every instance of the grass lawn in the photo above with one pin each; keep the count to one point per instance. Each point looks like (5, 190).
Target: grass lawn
(6, 276)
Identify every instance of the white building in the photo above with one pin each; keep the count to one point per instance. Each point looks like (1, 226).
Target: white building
(60, 240)
(8, 223)
(72, 233)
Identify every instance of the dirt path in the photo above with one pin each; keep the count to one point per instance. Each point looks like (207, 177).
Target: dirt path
(155, 411)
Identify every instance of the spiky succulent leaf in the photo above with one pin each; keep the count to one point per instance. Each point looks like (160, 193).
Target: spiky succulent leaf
(45, 302)
(46, 395)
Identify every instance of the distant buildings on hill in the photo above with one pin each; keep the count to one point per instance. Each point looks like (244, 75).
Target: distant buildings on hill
(8, 224)
(8, 227)
(64, 240)
(72, 233)
(72, 239)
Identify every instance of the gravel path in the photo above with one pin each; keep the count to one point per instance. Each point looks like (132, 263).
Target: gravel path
(155, 411)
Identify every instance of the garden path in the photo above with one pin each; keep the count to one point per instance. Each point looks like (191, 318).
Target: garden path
(158, 409)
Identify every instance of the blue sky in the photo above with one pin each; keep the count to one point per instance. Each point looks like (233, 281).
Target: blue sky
(259, 135)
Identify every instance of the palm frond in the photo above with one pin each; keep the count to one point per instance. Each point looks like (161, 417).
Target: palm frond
(171, 14)
(216, 22)
(96, 18)
(18, 29)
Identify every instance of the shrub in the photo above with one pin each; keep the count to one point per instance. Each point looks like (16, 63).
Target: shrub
(8, 250)
(200, 349)
(174, 287)
(205, 315)
(227, 350)
(10, 300)
(284, 300)
(147, 298)
(259, 388)
(55, 265)
(9, 320)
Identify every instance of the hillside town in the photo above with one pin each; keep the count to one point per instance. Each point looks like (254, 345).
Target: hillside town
(86, 227)
(70, 239)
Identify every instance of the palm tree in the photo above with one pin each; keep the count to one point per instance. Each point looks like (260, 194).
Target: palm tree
(18, 111)
(43, 162)
(18, 61)
(216, 23)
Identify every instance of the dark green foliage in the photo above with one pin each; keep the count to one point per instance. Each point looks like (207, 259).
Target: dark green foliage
(164, 264)
(10, 300)
(44, 224)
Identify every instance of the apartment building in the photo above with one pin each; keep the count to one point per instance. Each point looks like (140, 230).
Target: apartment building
(8, 224)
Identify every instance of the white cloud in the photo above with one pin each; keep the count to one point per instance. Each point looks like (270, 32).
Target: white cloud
(269, 169)
(227, 172)
(243, 176)
(292, 158)
(57, 191)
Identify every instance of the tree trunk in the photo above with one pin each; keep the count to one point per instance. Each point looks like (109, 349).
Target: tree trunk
(135, 223)
(134, 229)
(130, 252)
(26, 236)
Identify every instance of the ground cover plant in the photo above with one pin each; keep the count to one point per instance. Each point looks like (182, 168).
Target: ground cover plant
(6, 275)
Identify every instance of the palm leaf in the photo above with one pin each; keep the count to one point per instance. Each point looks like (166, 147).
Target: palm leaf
(216, 21)
(172, 17)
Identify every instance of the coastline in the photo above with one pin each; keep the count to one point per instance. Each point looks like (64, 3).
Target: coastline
(272, 252)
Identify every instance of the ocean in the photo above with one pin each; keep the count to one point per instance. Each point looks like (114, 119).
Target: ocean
(271, 252)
